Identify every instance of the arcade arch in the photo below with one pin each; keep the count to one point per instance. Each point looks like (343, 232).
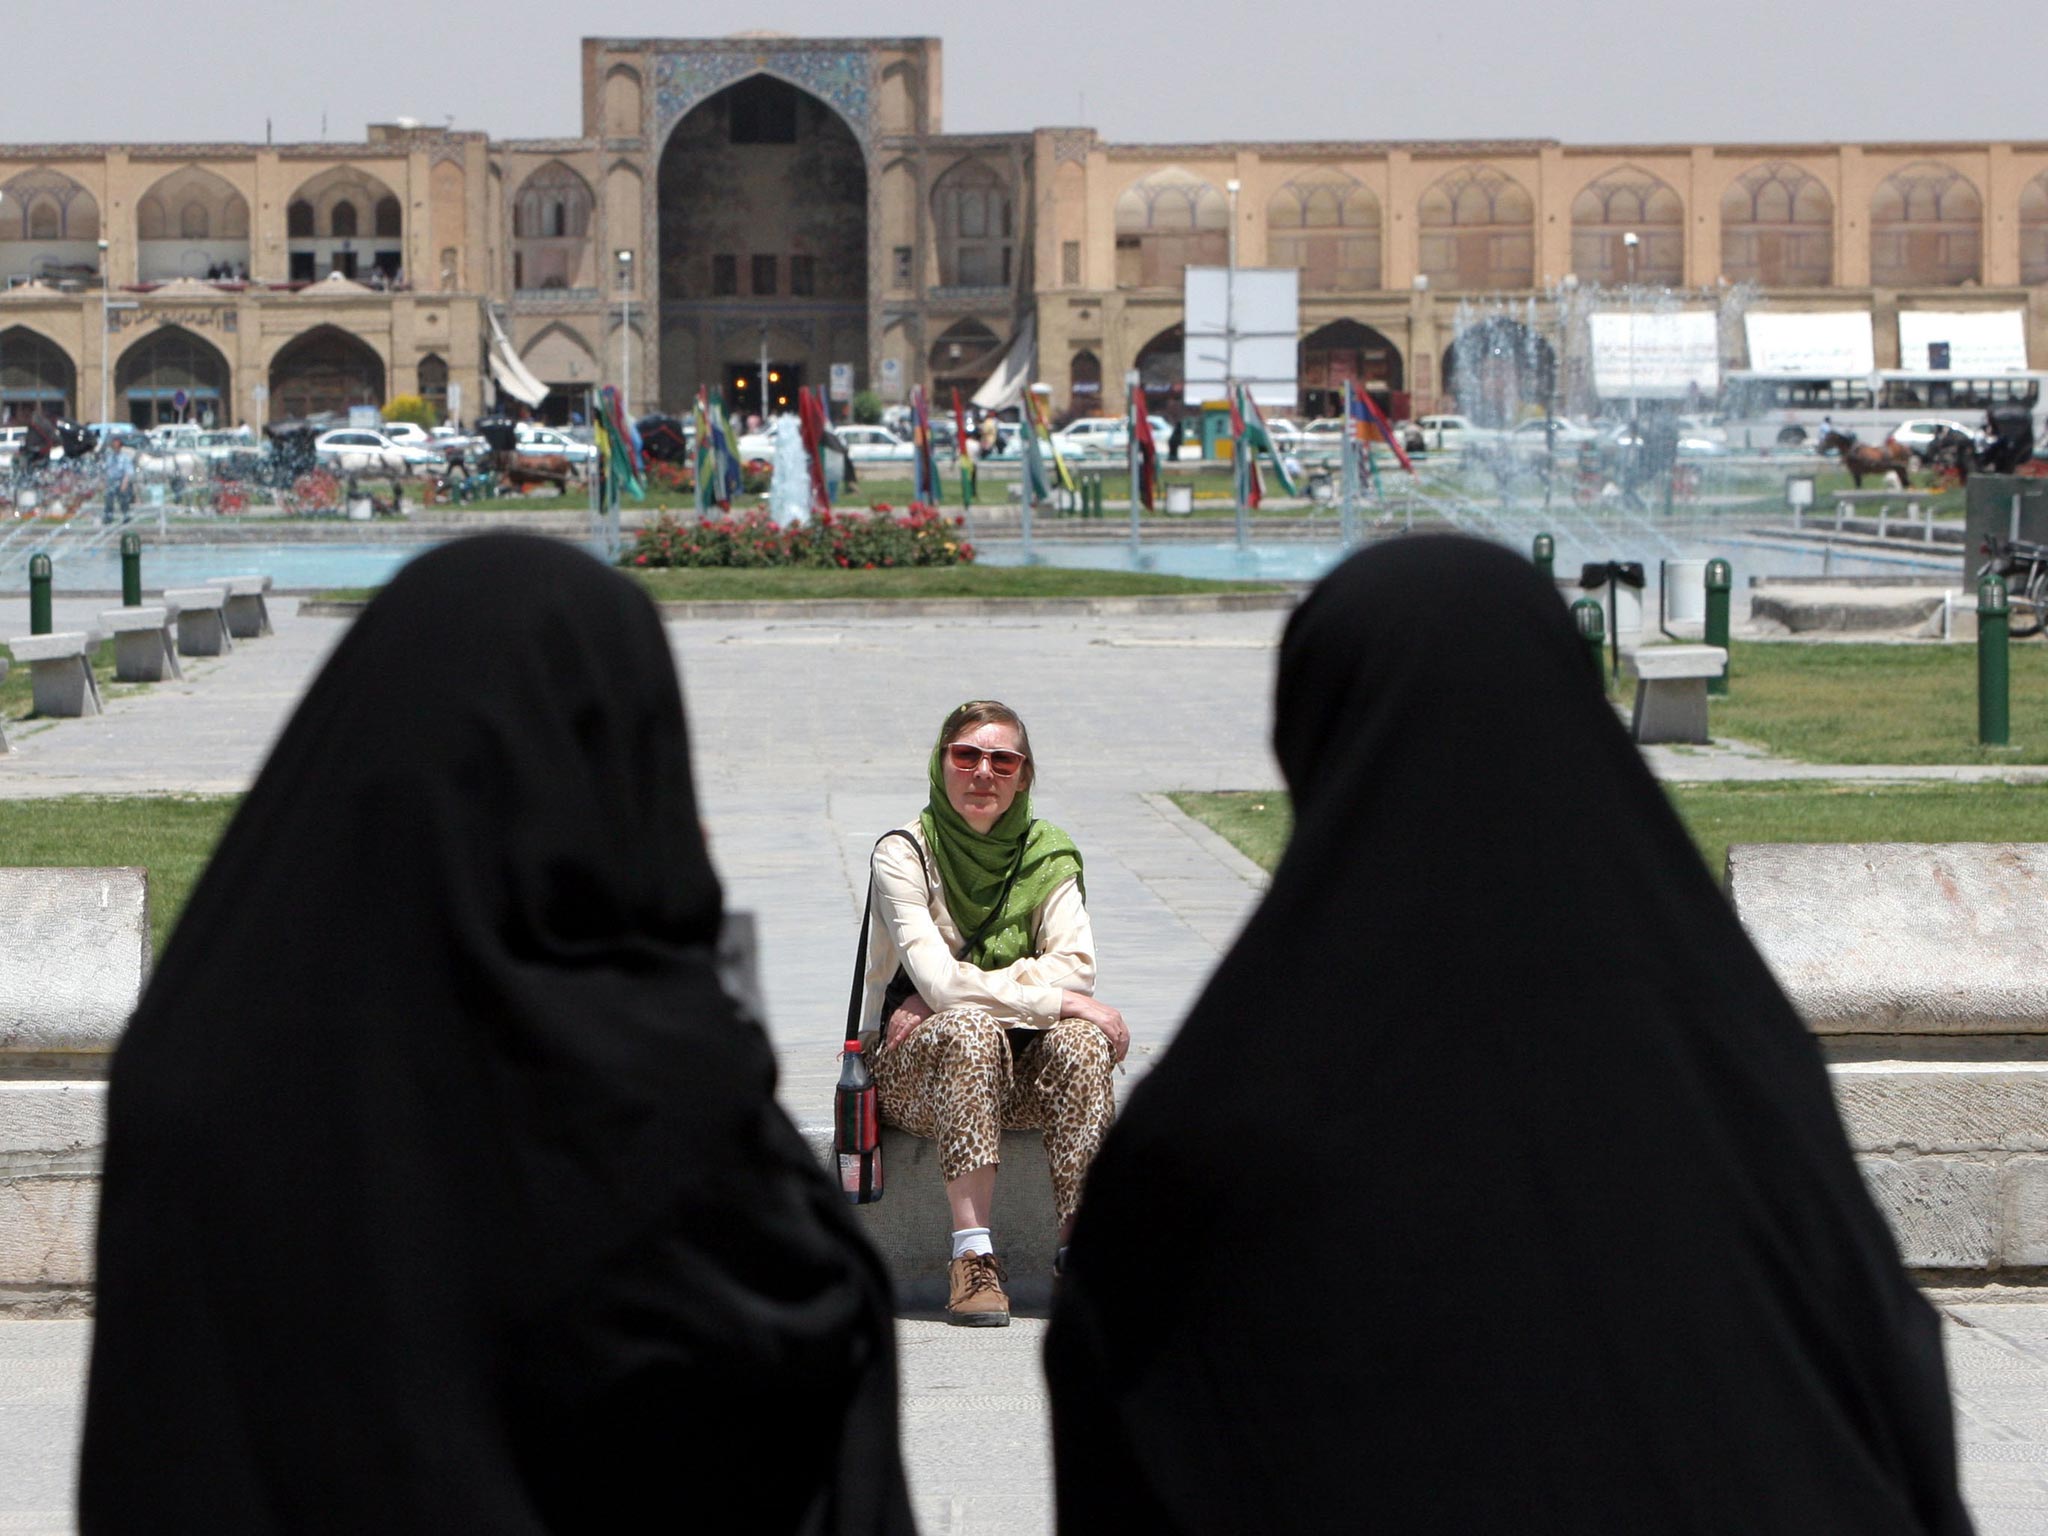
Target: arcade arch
(762, 199)
(963, 357)
(1165, 223)
(324, 370)
(37, 377)
(1478, 232)
(168, 366)
(1778, 228)
(1161, 364)
(49, 227)
(1348, 350)
(1926, 228)
(2034, 230)
(1495, 368)
(1327, 224)
(333, 214)
(551, 218)
(192, 223)
(1628, 201)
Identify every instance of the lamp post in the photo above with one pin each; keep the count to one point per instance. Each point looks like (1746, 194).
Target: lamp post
(106, 342)
(1629, 242)
(626, 334)
(1237, 476)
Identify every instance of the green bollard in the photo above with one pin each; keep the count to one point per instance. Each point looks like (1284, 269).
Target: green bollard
(1720, 581)
(1544, 553)
(39, 595)
(131, 570)
(1592, 622)
(1994, 676)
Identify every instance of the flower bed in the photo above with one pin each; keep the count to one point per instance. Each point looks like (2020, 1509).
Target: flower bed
(850, 540)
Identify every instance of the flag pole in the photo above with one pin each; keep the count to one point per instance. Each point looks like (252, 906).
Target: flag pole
(1353, 445)
(1240, 480)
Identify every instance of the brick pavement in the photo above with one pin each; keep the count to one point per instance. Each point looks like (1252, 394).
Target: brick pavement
(810, 738)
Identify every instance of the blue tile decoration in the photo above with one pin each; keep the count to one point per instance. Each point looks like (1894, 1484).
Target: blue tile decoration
(844, 79)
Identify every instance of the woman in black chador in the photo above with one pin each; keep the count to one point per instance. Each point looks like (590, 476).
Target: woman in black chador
(1492, 1185)
(445, 1187)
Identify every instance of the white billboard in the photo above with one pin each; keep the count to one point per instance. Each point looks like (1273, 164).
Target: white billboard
(1655, 356)
(1242, 326)
(1978, 341)
(1836, 346)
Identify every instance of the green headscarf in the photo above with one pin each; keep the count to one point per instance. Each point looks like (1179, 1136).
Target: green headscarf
(973, 867)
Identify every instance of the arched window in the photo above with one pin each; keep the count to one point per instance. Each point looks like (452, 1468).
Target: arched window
(151, 222)
(1628, 202)
(1778, 228)
(341, 220)
(1084, 383)
(551, 220)
(1327, 224)
(1478, 232)
(193, 222)
(1165, 223)
(45, 220)
(298, 221)
(433, 372)
(971, 205)
(43, 204)
(2034, 230)
(1926, 228)
(390, 219)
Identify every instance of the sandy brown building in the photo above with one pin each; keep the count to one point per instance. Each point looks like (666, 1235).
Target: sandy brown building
(725, 200)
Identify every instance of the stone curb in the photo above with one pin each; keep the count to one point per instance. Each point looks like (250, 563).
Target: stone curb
(925, 607)
(1212, 842)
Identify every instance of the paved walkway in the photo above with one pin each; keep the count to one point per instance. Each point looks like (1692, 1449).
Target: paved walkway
(802, 759)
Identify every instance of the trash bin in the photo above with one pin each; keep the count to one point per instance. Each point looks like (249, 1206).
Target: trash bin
(1180, 500)
(1685, 592)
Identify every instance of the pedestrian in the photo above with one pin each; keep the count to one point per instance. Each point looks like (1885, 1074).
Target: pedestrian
(1492, 1184)
(1174, 440)
(979, 985)
(117, 475)
(445, 1188)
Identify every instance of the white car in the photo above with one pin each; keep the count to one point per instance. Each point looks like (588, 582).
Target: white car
(11, 439)
(1099, 436)
(1448, 434)
(1918, 436)
(547, 441)
(1564, 435)
(359, 451)
(875, 445)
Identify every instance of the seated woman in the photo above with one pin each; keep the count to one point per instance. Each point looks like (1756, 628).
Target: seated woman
(991, 1024)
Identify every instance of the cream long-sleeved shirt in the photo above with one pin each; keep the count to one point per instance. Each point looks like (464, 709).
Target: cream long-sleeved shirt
(912, 928)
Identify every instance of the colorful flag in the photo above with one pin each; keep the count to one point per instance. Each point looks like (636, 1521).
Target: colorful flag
(960, 446)
(1144, 450)
(1366, 412)
(1259, 439)
(726, 477)
(810, 414)
(618, 445)
(1039, 419)
(927, 467)
(1247, 460)
(1037, 487)
(700, 433)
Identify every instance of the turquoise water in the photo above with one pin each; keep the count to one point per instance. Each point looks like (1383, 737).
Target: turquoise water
(302, 566)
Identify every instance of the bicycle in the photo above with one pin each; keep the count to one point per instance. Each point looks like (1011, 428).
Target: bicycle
(2025, 569)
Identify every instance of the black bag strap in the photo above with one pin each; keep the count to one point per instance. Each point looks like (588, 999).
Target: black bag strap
(867, 912)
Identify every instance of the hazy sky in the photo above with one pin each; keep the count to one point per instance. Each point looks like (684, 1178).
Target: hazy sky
(1589, 71)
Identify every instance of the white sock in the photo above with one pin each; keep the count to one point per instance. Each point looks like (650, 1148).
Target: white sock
(972, 1240)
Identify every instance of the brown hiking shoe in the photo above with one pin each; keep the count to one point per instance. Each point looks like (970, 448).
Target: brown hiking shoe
(977, 1299)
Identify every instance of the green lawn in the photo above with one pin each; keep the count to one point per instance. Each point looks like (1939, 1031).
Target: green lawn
(1877, 703)
(1259, 822)
(17, 697)
(804, 583)
(170, 836)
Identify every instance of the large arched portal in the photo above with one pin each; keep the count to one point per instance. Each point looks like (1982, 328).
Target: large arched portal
(172, 375)
(763, 207)
(1345, 350)
(36, 377)
(324, 371)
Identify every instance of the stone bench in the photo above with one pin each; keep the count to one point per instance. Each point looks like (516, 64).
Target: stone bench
(60, 672)
(248, 614)
(911, 1226)
(145, 651)
(1922, 970)
(1671, 691)
(201, 619)
(71, 971)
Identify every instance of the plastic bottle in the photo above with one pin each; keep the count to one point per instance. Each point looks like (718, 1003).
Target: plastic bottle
(857, 1129)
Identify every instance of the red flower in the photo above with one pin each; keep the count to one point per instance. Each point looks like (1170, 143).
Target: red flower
(639, 559)
(869, 566)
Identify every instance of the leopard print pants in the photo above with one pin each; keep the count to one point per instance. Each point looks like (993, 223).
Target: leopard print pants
(953, 1079)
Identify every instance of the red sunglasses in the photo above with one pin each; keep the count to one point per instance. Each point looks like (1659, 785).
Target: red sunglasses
(1002, 762)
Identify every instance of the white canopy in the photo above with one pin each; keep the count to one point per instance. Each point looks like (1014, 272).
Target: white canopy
(1979, 341)
(509, 371)
(1834, 345)
(1005, 387)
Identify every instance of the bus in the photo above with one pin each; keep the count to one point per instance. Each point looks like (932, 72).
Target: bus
(1781, 410)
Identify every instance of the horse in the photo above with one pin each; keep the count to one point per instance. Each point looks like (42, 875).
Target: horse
(522, 471)
(1949, 449)
(1892, 459)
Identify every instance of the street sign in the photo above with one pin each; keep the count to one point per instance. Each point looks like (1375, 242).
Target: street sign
(892, 378)
(455, 402)
(842, 382)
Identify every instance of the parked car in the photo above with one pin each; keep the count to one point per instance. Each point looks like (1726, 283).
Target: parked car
(551, 442)
(11, 439)
(1099, 436)
(875, 445)
(360, 451)
(1450, 434)
(218, 447)
(1562, 434)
